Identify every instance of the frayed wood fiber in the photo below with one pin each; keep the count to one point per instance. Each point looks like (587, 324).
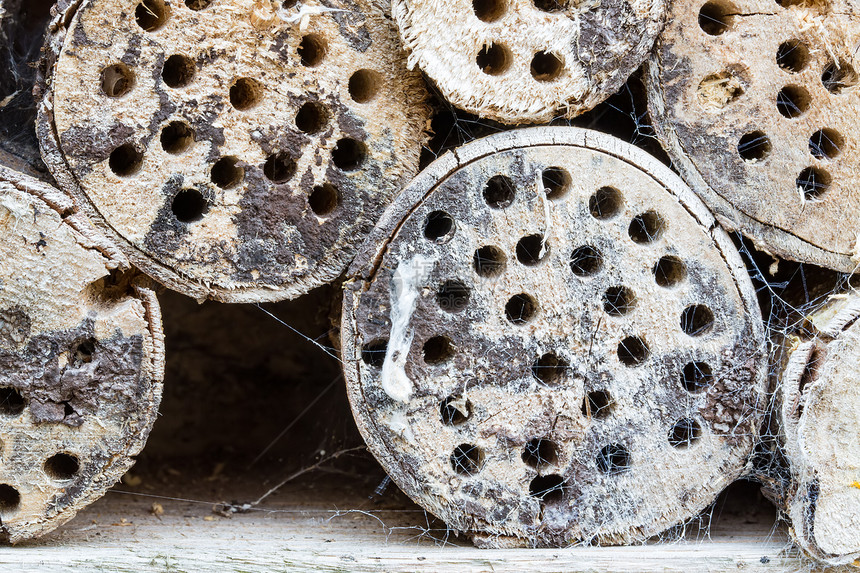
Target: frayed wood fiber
(548, 341)
(525, 61)
(81, 360)
(756, 102)
(235, 150)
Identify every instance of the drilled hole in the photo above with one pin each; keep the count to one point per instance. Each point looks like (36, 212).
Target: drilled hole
(520, 308)
(754, 146)
(312, 117)
(83, 353)
(792, 101)
(556, 182)
(439, 227)
(540, 452)
(499, 192)
(10, 499)
(453, 296)
(467, 459)
(605, 203)
(324, 199)
(62, 466)
(455, 410)
(825, 144)
(11, 402)
(716, 18)
(669, 271)
(489, 261)
(125, 160)
(178, 71)
(550, 5)
(618, 300)
(117, 80)
(646, 228)
(684, 433)
(546, 66)
(437, 350)
(532, 249)
(279, 167)
(312, 50)
(489, 10)
(493, 59)
(364, 85)
(839, 77)
(586, 261)
(550, 369)
(719, 90)
(597, 404)
(813, 182)
(189, 205)
(792, 56)
(227, 172)
(696, 376)
(198, 4)
(632, 351)
(697, 319)
(176, 137)
(245, 93)
(373, 353)
(548, 489)
(151, 14)
(613, 459)
(348, 154)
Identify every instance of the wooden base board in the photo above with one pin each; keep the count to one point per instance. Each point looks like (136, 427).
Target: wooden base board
(328, 523)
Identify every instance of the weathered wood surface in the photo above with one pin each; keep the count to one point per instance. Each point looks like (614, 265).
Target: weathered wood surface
(524, 61)
(313, 530)
(81, 360)
(819, 410)
(547, 340)
(756, 103)
(239, 150)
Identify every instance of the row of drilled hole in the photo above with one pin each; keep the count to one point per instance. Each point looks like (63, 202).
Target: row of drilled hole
(549, 369)
(792, 101)
(190, 205)
(61, 466)
(495, 59)
(117, 80)
(540, 453)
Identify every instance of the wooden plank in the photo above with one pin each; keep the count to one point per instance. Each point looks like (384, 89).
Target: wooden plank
(304, 529)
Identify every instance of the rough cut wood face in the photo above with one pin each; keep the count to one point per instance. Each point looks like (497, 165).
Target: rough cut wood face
(519, 61)
(547, 340)
(234, 149)
(820, 416)
(756, 102)
(81, 360)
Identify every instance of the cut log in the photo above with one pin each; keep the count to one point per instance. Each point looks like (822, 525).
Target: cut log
(235, 150)
(819, 410)
(524, 61)
(81, 360)
(547, 341)
(756, 103)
